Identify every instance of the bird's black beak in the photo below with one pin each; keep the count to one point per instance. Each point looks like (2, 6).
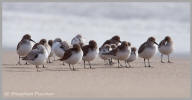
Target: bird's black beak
(119, 41)
(32, 40)
(156, 43)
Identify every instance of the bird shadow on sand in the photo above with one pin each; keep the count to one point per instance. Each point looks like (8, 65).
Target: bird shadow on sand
(11, 70)
(15, 64)
(62, 69)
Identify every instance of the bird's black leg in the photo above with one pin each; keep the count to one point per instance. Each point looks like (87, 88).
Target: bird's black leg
(84, 63)
(144, 62)
(89, 64)
(26, 63)
(63, 63)
(43, 66)
(149, 63)
(162, 58)
(73, 68)
(109, 61)
(118, 63)
(19, 63)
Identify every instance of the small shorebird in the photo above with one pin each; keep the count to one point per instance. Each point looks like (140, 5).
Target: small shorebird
(45, 44)
(89, 52)
(50, 42)
(48, 48)
(133, 56)
(56, 42)
(166, 47)
(37, 56)
(104, 49)
(122, 52)
(73, 55)
(77, 40)
(59, 47)
(113, 46)
(24, 46)
(147, 50)
(114, 40)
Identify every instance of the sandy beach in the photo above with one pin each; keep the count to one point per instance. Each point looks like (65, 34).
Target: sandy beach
(160, 81)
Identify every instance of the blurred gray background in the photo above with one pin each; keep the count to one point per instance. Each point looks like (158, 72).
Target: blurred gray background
(132, 21)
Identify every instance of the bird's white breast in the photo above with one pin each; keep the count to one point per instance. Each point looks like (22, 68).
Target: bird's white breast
(91, 55)
(58, 51)
(41, 59)
(147, 52)
(25, 48)
(132, 57)
(75, 58)
(166, 50)
(104, 57)
(122, 55)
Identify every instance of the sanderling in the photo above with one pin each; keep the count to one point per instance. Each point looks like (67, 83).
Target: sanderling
(24, 46)
(122, 52)
(56, 45)
(45, 44)
(73, 55)
(50, 42)
(147, 50)
(133, 56)
(166, 47)
(78, 40)
(104, 49)
(89, 52)
(61, 48)
(37, 56)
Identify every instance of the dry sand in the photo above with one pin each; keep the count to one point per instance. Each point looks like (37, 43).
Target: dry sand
(160, 81)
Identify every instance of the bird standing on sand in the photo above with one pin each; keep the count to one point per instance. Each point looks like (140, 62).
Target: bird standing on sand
(147, 50)
(114, 42)
(50, 42)
(45, 44)
(133, 56)
(89, 52)
(55, 45)
(104, 49)
(24, 46)
(59, 47)
(122, 52)
(166, 48)
(37, 56)
(73, 55)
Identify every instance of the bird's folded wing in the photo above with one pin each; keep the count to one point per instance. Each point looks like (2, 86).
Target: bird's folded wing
(32, 55)
(67, 54)
(85, 50)
(142, 47)
(18, 45)
(161, 43)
